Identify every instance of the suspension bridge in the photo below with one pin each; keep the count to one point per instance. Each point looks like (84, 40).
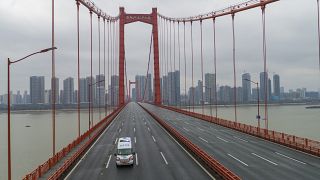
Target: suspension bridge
(172, 140)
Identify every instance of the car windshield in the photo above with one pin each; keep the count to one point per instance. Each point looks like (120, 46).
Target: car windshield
(124, 151)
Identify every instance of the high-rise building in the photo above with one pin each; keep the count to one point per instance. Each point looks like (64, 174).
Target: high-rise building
(174, 87)
(56, 81)
(198, 93)
(140, 84)
(91, 93)
(100, 90)
(114, 90)
(83, 90)
(269, 89)
(225, 94)
(276, 86)
(246, 87)
(210, 87)
(19, 98)
(165, 90)
(47, 96)
(68, 91)
(263, 91)
(37, 85)
(26, 98)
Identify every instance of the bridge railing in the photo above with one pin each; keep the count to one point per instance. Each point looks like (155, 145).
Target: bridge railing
(46, 166)
(208, 160)
(295, 142)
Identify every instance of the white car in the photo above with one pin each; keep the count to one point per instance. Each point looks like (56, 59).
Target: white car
(124, 153)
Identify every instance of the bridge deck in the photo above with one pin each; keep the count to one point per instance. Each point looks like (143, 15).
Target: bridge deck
(158, 156)
(247, 156)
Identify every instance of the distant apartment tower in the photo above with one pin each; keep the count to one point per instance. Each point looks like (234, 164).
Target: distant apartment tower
(174, 87)
(56, 81)
(114, 90)
(210, 87)
(264, 87)
(246, 87)
(100, 90)
(37, 89)
(91, 93)
(164, 90)
(68, 91)
(276, 86)
(83, 90)
(140, 83)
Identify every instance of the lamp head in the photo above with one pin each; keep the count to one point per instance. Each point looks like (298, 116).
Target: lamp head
(48, 49)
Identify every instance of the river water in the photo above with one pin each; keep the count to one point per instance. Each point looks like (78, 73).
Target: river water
(31, 146)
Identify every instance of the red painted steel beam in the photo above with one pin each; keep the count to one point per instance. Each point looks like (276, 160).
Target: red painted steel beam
(157, 93)
(152, 19)
(223, 12)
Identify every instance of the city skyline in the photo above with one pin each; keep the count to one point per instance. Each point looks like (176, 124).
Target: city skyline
(246, 92)
(299, 59)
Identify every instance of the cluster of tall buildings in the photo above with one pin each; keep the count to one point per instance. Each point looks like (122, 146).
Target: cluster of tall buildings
(92, 89)
(143, 88)
(170, 88)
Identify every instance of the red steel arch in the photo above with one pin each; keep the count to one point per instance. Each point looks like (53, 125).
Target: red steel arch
(145, 18)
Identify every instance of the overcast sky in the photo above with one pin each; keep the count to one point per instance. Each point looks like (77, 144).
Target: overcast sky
(25, 27)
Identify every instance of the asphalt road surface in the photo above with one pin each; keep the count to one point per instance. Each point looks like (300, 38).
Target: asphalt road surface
(247, 156)
(158, 156)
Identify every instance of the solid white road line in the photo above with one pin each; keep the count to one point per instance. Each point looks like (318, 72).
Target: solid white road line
(222, 139)
(134, 129)
(148, 129)
(135, 140)
(108, 161)
(137, 159)
(187, 152)
(238, 160)
(240, 139)
(264, 159)
(186, 129)
(164, 158)
(290, 158)
(203, 139)
(115, 142)
(153, 139)
(90, 148)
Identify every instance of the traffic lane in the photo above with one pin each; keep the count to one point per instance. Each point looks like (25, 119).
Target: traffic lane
(247, 162)
(110, 171)
(281, 153)
(312, 160)
(90, 165)
(152, 163)
(181, 165)
(298, 171)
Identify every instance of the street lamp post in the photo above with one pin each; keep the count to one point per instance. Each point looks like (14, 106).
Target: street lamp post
(9, 108)
(258, 98)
